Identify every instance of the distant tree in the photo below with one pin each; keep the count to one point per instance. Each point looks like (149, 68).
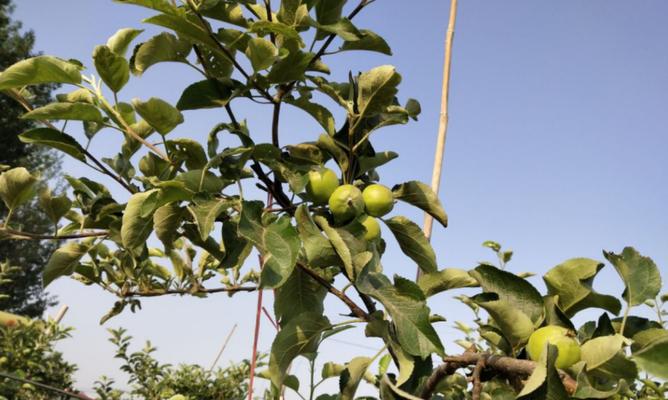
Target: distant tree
(21, 288)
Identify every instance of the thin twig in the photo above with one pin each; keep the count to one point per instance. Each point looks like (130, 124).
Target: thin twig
(20, 235)
(156, 293)
(266, 314)
(475, 377)
(222, 349)
(46, 387)
(354, 308)
(443, 120)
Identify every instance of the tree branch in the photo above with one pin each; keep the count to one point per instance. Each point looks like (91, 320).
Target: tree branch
(20, 235)
(354, 308)
(156, 293)
(46, 387)
(506, 365)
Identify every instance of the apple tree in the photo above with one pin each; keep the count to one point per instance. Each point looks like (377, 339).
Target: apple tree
(316, 227)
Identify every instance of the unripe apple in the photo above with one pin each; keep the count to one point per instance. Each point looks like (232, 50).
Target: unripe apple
(569, 349)
(378, 200)
(346, 203)
(321, 184)
(372, 227)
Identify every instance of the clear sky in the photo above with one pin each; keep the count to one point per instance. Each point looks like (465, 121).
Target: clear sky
(556, 148)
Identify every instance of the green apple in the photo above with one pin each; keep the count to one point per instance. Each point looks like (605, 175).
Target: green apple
(346, 203)
(569, 349)
(378, 200)
(321, 184)
(372, 227)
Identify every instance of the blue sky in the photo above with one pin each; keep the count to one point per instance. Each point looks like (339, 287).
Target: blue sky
(556, 148)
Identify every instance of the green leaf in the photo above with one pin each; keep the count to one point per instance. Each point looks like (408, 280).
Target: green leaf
(261, 53)
(63, 261)
(511, 289)
(65, 111)
(328, 12)
(586, 390)
(298, 295)
(165, 6)
(421, 196)
(640, 275)
(318, 249)
(206, 94)
(413, 242)
(291, 68)
(449, 278)
(343, 28)
(166, 221)
(137, 223)
(54, 139)
(40, 69)
(367, 163)
(122, 39)
(17, 186)
(287, 13)
(339, 245)
(287, 32)
(237, 247)
(184, 27)
(278, 243)
(352, 375)
(300, 336)
(231, 13)
(604, 356)
(573, 282)
(317, 111)
(55, 207)
(164, 47)
(515, 325)
(369, 41)
(377, 89)
(544, 382)
(113, 68)
(406, 305)
(159, 114)
(188, 150)
(205, 213)
(652, 358)
(329, 145)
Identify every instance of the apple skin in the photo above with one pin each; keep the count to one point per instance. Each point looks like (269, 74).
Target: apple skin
(372, 227)
(321, 184)
(569, 349)
(378, 200)
(346, 203)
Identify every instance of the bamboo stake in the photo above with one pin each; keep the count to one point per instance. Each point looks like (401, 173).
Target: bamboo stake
(222, 349)
(443, 121)
(61, 313)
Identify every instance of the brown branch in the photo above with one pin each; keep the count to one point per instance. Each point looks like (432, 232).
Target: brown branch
(354, 308)
(475, 378)
(20, 235)
(156, 293)
(506, 365)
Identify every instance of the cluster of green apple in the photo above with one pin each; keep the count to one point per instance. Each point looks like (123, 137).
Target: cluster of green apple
(347, 202)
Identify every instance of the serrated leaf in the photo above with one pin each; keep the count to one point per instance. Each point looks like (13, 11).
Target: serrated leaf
(137, 223)
(54, 139)
(205, 213)
(406, 305)
(317, 111)
(65, 111)
(63, 261)
(413, 243)
(55, 207)
(652, 358)
(113, 68)
(446, 279)
(369, 41)
(164, 47)
(352, 375)
(300, 336)
(421, 196)
(40, 69)
(640, 275)
(166, 221)
(17, 186)
(298, 295)
(159, 114)
(512, 289)
(121, 40)
(544, 382)
(573, 282)
(261, 53)
(377, 89)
